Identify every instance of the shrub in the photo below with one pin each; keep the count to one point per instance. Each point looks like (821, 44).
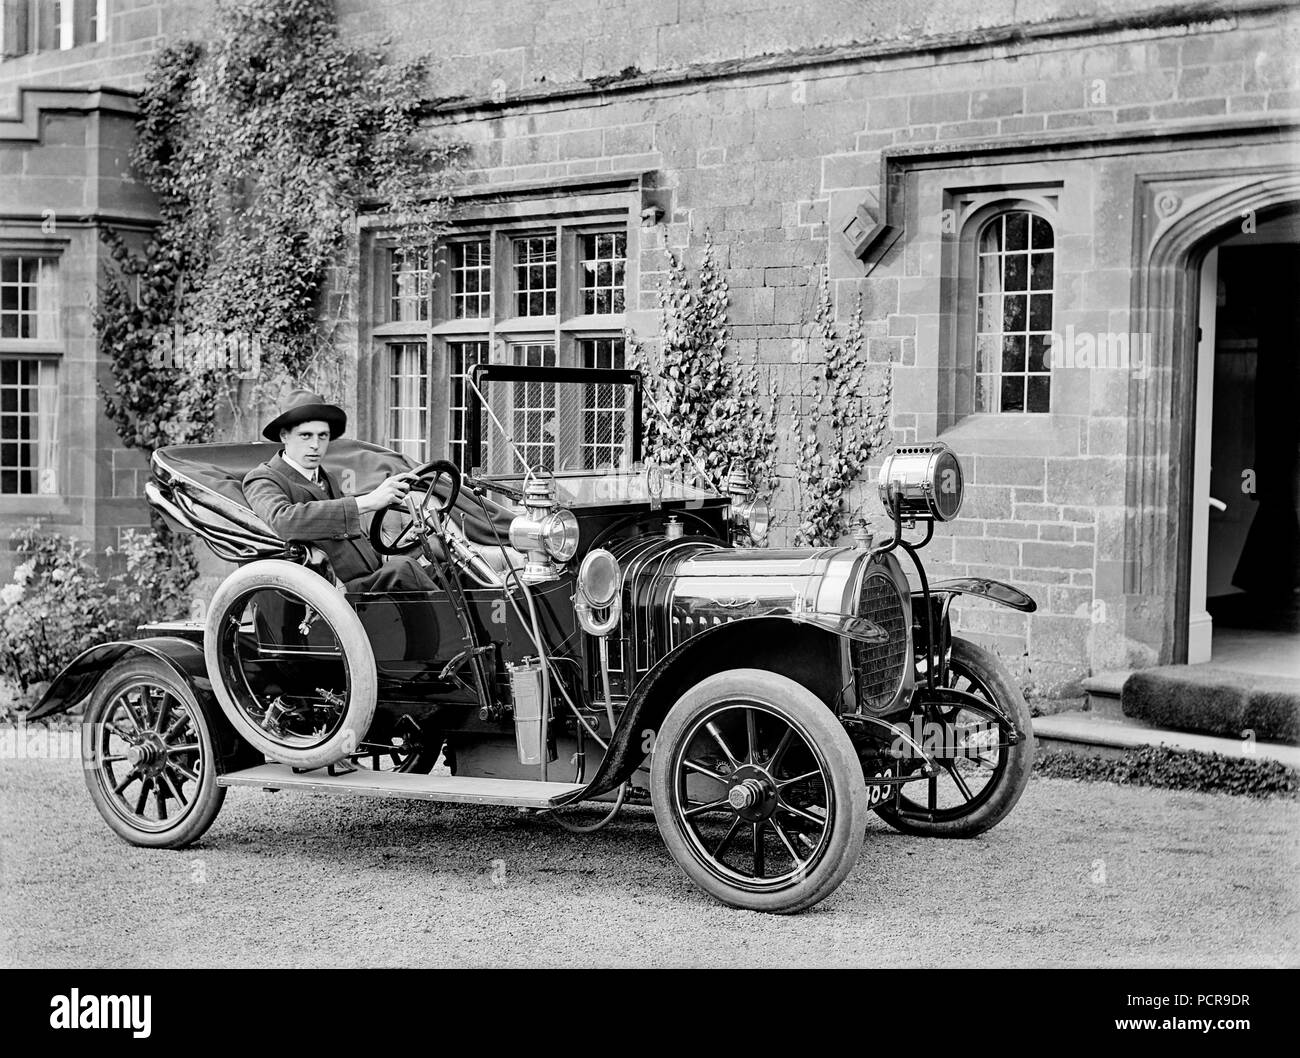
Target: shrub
(58, 604)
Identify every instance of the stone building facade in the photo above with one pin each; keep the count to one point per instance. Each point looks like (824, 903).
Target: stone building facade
(1029, 198)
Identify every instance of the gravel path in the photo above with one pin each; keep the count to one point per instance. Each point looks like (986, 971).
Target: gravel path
(1086, 874)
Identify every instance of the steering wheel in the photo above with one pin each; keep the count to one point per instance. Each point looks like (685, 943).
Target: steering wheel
(405, 540)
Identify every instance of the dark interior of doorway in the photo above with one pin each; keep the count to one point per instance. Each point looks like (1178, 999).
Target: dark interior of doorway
(1254, 545)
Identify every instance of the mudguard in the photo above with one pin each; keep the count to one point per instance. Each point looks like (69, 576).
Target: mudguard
(79, 677)
(993, 590)
(648, 705)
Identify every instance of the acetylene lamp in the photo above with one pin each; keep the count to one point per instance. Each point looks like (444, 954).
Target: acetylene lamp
(546, 532)
(750, 517)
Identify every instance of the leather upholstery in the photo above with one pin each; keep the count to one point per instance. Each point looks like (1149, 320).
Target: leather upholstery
(199, 486)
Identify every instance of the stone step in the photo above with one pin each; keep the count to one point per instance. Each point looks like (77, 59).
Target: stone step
(1104, 690)
(1083, 731)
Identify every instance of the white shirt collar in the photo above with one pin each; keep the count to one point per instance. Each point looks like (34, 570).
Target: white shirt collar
(309, 475)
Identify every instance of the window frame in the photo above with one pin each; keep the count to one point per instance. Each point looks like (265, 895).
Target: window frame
(567, 328)
(42, 350)
(991, 217)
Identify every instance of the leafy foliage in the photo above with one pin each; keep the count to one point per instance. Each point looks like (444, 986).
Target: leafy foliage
(716, 411)
(262, 146)
(838, 432)
(58, 605)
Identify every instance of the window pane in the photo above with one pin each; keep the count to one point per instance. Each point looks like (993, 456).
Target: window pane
(1042, 271)
(29, 297)
(1043, 235)
(1013, 353)
(461, 358)
(471, 279)
(1012, 329)
(28, 425)
(1014, 308)
(1013, 393)
(606, 411)
(1017, 231)
(1040, 312)
(602, 270)
(535, 423)
(408, 286)
(535, 276)
(1016, 275)
(408, 414)
(1040, 348)
(1039, 393)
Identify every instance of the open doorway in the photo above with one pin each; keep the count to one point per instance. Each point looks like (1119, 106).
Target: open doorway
(1248, 450)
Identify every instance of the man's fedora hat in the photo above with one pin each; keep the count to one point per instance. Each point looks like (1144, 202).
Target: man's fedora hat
(305, 406)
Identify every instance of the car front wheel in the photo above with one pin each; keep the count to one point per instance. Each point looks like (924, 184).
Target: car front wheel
(758, 792)
(982, 776)
(149, 756)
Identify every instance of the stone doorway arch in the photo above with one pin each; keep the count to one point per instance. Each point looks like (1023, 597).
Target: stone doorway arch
(1180, 217)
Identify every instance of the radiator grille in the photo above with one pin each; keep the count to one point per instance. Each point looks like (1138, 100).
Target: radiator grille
(880, 667)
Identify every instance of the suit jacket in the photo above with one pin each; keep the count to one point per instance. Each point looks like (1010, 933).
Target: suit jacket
(299, 511)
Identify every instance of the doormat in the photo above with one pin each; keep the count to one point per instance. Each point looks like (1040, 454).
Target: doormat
(1215, 701)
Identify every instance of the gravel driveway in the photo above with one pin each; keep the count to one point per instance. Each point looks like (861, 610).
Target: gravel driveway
(1086, 874)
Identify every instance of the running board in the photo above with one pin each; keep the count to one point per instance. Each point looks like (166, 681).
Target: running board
(525, 793)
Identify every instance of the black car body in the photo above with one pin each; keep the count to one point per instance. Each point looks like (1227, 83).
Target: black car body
(600, 633)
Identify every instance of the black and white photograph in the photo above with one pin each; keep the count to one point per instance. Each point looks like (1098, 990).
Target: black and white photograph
(650, 485)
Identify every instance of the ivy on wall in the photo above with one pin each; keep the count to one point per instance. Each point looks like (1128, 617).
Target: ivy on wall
(717, 413)
(262, 145)
(838, 420)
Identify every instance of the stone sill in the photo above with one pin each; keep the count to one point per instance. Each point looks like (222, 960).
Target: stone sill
(990, 434)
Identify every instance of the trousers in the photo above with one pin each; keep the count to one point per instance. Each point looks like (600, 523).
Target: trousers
(399, 573)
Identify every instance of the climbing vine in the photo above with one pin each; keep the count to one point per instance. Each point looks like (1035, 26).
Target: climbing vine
(843, 425)
(262, 146)
(717, 412)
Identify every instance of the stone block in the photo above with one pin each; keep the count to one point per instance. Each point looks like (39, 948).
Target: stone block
(1069, 94)
(997, 103)
(1064, 640)
(1199, 108)
(1008, 470)
(1085, 480)
(1012, 530)
(1058, 556)
(938, 107)
(1057, 532)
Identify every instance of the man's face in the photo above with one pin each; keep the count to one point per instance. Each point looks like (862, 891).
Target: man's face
(306, 443)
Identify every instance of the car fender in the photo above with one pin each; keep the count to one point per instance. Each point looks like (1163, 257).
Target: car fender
(994, 590)
(701, 655)
(79, 677)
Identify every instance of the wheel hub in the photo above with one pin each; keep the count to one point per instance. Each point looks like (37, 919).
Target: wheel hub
(751, 793)
(147, 755)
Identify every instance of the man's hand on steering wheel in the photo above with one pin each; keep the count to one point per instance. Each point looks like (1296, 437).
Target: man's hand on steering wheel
(424, 477)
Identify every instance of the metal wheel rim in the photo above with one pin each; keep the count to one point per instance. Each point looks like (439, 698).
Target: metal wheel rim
(175, 757)
(241, 692)
(700, 849)
(956, 673)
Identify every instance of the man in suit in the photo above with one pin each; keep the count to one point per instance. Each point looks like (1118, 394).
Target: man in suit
(295, 496)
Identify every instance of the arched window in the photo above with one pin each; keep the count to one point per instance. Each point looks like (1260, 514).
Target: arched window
(1013, 322)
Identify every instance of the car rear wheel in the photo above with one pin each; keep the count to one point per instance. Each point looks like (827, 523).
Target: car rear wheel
(758, 792)
(149, 756)
(975, 788)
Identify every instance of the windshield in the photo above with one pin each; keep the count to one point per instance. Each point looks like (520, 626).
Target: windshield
(581, 425)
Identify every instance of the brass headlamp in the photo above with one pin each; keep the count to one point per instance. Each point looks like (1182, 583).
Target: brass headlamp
(925, 481)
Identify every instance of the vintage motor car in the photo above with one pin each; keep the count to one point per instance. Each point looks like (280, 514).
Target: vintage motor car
(603, 632)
